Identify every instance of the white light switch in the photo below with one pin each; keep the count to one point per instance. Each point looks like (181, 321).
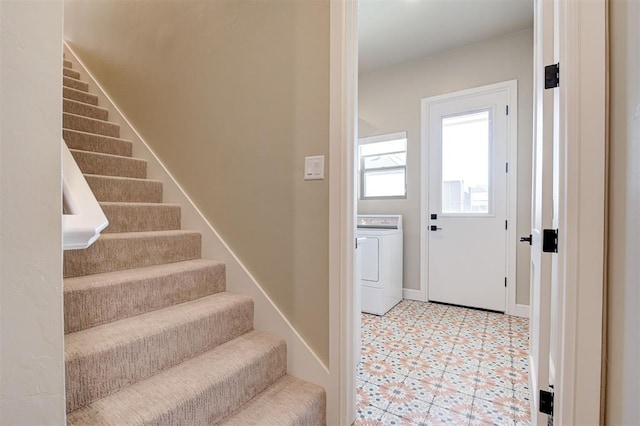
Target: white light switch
(314, 168)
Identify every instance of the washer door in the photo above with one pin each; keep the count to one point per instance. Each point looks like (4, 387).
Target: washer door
(370, 259)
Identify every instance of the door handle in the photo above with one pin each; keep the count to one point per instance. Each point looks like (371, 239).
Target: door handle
(526, 239)
(434, 228)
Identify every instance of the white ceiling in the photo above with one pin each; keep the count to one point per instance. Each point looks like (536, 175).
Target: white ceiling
(396, 31)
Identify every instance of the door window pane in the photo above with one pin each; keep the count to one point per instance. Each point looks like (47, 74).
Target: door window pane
(466, 160)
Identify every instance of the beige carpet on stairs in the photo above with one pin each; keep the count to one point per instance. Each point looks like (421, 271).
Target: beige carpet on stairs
(152, 336)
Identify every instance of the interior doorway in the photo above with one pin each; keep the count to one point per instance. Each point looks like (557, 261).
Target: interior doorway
(389, 103)
(583, 121)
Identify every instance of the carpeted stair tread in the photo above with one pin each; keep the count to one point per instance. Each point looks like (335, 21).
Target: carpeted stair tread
(84, 109)
(129, 250)
(79, 95)
(67, 64)
(288, 402)
(199, 391)
(93, 300)
(97, 143)
(90, 125)
(96, 163)
(121, 189)
(103, 359)
(75, 84)
(138, 217)
(68, 72)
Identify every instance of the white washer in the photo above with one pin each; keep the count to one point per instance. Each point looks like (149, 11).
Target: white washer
(381, 262)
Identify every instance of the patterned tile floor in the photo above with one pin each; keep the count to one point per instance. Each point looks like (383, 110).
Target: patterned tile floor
(432, 364)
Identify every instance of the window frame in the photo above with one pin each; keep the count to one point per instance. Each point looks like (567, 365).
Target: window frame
(387, 137)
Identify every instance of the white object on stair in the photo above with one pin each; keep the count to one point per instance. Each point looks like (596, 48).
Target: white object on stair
(84, 219)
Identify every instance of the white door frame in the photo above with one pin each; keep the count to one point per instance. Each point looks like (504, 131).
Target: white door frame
(511, 87)
(582, 31)
(582, 34)
(343, 71)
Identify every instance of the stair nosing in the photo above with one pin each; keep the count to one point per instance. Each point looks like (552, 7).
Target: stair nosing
(138, 203)
(148, 324)
(85, 282)
(76, 79)
(85, 104)
(114, 156)
(147, 234)
(91, 118)
(122, 177)
(64, 84)
(65, 129)
(78, 90)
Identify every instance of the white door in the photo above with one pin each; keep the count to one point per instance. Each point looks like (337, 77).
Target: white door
(542, 210)
(467, 192)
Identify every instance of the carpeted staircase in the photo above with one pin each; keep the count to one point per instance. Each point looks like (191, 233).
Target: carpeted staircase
(151, 335)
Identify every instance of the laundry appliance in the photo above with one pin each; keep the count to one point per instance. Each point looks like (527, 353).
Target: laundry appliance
(381, 262)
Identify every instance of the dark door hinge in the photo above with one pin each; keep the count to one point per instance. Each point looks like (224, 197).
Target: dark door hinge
(546, 402)
(551, 76)
(507, 109)
(506, 167)
(550, 240)
(505, 281)
(506, 224)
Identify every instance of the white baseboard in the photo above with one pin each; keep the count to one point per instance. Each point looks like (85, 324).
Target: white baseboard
(521, 311)
(411, 294)
(302, 361)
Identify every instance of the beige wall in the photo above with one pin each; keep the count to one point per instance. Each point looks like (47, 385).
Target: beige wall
(31, 329)
(389, 101)
(231, 95)
(623, 320)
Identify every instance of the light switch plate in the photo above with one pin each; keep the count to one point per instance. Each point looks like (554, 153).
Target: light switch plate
(314, 168)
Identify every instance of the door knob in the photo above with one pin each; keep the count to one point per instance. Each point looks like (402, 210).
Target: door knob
(435, 228)
(526, 239)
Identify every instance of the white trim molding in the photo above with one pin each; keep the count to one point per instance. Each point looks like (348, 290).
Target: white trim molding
(522, 311)
(412, 294)
(582, 34)
(511, 89)
(342, 215)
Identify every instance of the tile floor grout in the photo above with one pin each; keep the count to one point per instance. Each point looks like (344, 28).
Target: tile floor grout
(446, 335)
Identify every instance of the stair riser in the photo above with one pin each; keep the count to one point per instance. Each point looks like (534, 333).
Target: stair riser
(116, 254)
(85, 124)
(138, 218)
(140, 191)
(86, 110)
(125, 297)
(98, 375)
(245, 370)
(70, 73)
(288, 401)
(97, 143)
(95, 164)
(79, 96)
(67, 64)
(235, 391)
(75, 84)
